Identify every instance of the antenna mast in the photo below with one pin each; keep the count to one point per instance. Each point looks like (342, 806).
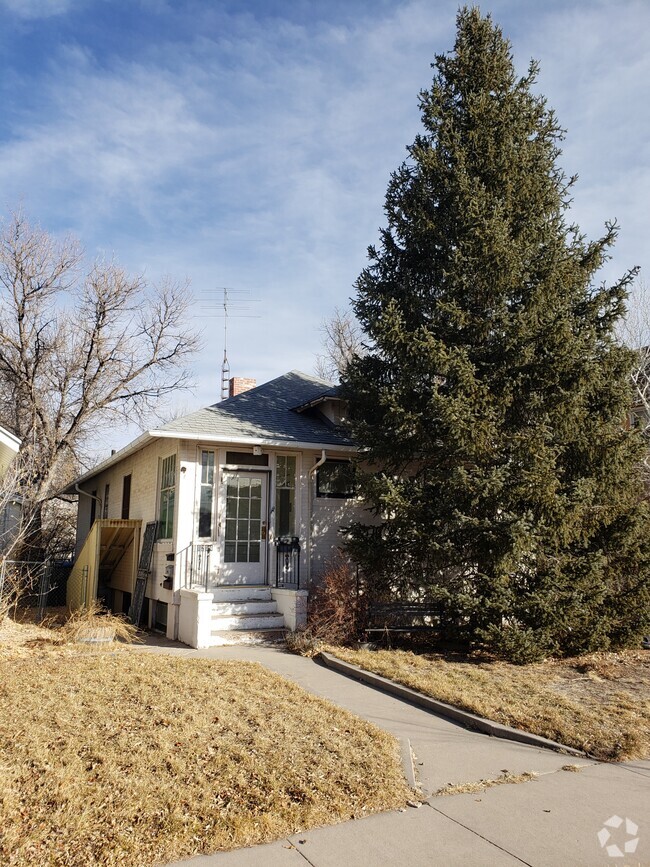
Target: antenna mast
(225, 367)
(233, 303)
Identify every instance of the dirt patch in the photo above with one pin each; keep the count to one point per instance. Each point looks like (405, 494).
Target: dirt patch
(20, 638)
(598, 676)
(481, 785)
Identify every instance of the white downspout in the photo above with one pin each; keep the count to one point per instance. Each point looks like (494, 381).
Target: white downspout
(92, 497)
(319, 462)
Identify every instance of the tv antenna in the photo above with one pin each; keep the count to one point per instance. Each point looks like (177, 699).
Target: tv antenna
(233, 303)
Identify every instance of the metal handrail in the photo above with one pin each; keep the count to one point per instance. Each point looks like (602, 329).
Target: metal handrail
(191, 562)
(287, 562)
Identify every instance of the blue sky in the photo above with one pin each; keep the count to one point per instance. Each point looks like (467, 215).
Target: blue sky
(249, 144)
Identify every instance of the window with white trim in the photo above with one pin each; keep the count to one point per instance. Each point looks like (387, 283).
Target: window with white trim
(285, 495)
(167, 497)
(206, 495)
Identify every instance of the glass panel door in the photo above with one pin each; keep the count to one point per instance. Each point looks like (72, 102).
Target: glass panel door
(244, 528)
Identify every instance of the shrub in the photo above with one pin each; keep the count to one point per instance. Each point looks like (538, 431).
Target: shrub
(334, 613)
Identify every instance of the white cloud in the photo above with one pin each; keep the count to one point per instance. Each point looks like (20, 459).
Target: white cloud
(257, 154)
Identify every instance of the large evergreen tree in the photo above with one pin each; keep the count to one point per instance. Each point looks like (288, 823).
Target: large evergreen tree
(494, 394)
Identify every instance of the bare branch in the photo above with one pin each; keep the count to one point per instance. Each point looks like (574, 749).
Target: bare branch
(342, 341)
(76, 350)
(634, 332)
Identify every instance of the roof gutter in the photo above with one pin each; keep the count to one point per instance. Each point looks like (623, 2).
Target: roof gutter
(267, 442)
(147, 437)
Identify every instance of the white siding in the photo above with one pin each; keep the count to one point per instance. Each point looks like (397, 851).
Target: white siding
(143, 466)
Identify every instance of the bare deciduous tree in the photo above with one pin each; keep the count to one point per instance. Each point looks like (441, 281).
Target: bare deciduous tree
(634, 332)
(79, 349)
(12, 527)
(342, 340)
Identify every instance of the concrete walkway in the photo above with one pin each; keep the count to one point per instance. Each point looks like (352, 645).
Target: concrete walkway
(552, 820)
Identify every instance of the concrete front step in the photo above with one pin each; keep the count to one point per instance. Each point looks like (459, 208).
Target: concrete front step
(257, 636)
(246, 606)
(241, 593)
(223, 622)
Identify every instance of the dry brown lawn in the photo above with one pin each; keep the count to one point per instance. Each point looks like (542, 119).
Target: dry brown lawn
(599, 703)
(125, 758)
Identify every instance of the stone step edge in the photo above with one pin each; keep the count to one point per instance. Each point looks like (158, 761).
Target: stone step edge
(264, 615)
(263, 630)
(441, 708)
(245, 602)
(236, 636)
(244, 627)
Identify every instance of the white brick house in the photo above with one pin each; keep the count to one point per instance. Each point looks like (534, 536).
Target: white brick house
(250, 495)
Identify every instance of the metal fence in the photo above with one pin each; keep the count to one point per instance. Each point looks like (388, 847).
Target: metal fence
(33, 584)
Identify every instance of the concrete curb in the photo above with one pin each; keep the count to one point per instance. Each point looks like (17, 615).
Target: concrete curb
(465, 718)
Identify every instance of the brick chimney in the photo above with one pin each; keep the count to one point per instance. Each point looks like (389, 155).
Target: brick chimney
(238, 384)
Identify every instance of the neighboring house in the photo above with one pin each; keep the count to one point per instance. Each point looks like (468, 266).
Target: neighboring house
(10, 503)
(250, 495)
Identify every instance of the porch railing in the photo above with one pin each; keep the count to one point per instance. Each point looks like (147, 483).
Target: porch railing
(287, 562)
(192, 564)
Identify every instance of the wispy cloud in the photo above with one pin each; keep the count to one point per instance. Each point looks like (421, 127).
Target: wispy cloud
(255, 153)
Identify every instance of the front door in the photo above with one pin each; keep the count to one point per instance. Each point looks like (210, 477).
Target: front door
(243, 536)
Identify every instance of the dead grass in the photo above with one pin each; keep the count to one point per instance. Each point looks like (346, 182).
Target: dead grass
(129, 759)
(17, 639)
(481, 785)
(94, 623)
(94, 626)
(599, 703)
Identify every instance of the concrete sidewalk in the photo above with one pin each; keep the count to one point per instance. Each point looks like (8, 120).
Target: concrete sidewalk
(553, 820)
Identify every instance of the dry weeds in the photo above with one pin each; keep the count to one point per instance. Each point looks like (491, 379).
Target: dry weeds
(129, 759)
(482, 785)
(93, 622)
(599, 703)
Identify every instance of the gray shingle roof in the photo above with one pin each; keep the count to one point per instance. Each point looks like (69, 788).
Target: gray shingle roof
(267, 412)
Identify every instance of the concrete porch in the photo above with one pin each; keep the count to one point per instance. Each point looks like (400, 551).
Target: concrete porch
(228, 614)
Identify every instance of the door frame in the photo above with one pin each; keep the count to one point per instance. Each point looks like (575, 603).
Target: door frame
(219, 564)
